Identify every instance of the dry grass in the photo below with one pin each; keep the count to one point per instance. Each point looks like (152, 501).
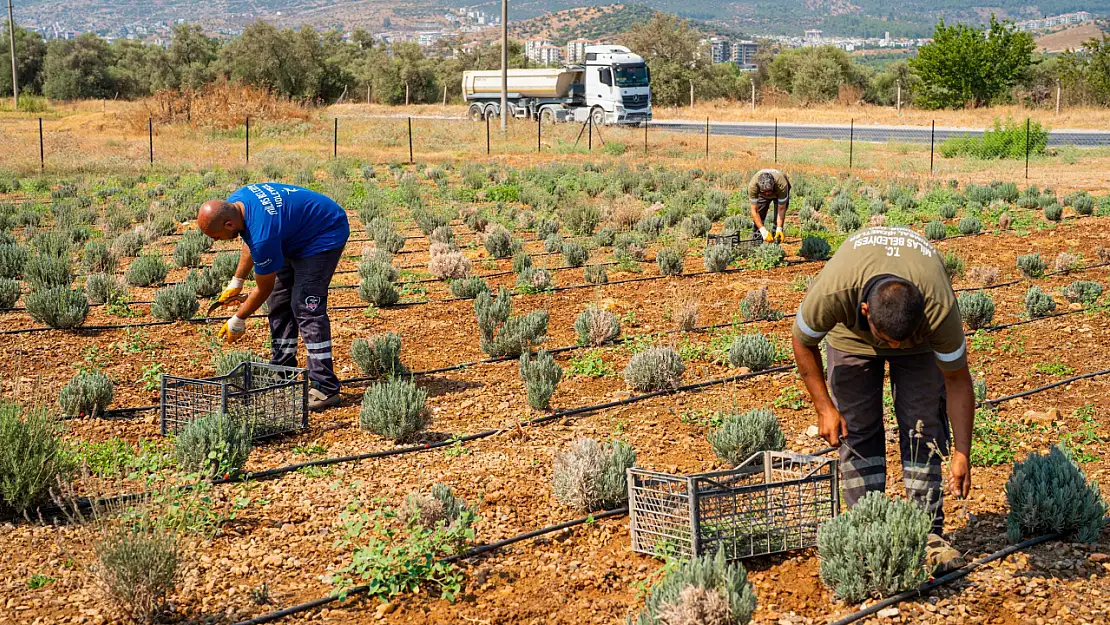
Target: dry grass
(218, 105)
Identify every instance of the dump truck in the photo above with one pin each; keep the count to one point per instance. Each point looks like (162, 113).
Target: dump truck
(612, 87)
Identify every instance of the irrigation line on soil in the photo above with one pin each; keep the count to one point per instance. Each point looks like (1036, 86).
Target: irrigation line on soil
(470, 553)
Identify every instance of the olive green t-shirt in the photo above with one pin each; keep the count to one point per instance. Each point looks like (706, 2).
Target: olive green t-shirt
(782, 185)
(832, 305)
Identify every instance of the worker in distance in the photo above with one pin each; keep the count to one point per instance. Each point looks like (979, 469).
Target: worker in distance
(769, 187)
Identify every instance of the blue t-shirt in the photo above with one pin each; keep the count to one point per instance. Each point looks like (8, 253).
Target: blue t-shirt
(284, 220)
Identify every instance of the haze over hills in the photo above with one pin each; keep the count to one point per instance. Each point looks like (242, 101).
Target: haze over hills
(906, 18)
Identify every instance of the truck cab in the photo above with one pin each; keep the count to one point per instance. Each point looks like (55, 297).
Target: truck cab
(618, 85)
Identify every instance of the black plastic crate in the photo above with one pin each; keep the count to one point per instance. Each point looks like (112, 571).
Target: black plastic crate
(272, 398)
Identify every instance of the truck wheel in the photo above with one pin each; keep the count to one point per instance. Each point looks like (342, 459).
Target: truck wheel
(475, 112)
(547, 115)
(491, 111)
(598, 115)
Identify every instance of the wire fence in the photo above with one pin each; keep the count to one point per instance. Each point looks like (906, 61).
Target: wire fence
(58, 145)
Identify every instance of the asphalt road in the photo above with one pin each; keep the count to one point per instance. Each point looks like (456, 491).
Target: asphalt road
(867, 133)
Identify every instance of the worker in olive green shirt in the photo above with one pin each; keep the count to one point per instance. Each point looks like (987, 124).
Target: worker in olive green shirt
(885, 299)
(769, 186)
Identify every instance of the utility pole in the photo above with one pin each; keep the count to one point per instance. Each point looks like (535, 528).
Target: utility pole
(504, 65)
(15, 73)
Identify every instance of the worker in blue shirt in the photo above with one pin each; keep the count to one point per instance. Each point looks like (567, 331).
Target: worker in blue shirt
(293, 238)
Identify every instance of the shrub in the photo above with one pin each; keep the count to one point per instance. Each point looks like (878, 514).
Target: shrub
(970, 225)
(1066, 262)
(97, 258)
(541, 375)
(449, 266)
(533, 280)
(815, 248)
(103, 288)
(605, 237)
(985, 276)
(498, 242)
(1053, 212)
(521, 260)
(697, 225)
(590, 476)
(1031, 265)
(13, 258)
(1005, 140)
(976, 309)
(875, 549)
(129, 244)
(1038, 303)
(754, 351)
(187, 253)
(596, 274)
(227, 361)
(686, 314)
(379, 356)
(654, 369)
(138, 569)
(596, 326)
(743, 434)
(443, 234)
(86, 394)
(651, 225)
(717, 258)
(205, 283)
(553, 244)
(1083, 204)
(146, 271)
(175, 303)
(669, 261)
(9, 292)
(768, 256)
(1083, 292)
(394, 408)
(214, 445)
(737, 224)
(953, 265)
(756, 307)
(706, 590)
(546, 227)
(385, 237)
(849, 221)
(33, 456)
(575, 254)
(58, 307)
(469, 288)
(502, 335)
(935, 231)
(44, 271)
(1050, 494)
(58, 243)
(947, 210)
(376, 286)
(630, 244)
(582, 219)
(979, 388)
(439, 507)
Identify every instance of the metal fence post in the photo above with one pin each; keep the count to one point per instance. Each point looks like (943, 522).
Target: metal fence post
(487, 134)
(851, 144)
(776, 139)
(645, 139)
(248, 138)
(932, 143)
(1027, 148)
(335, 140)
(150, 135)
(42, 150)
(539, 134)
(706, 137)
(590, 140)
(410, 141)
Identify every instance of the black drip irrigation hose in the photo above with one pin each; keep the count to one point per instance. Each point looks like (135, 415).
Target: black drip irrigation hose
(470, 553)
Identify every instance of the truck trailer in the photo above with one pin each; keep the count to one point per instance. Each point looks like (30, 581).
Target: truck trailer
(612, 87)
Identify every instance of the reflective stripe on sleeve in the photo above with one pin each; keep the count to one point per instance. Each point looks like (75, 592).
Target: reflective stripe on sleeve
(950, 356)
(804, 327)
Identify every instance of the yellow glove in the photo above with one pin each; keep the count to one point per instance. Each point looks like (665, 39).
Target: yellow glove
(229, 295)
(233, 330)
(766, 234)
(780, 237)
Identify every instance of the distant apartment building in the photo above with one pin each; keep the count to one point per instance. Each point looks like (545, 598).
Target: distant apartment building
(719, 49)
(743, 54)
(813, 37)
(1056, 20)
(532, 46)
(548, 55)
(576, 51)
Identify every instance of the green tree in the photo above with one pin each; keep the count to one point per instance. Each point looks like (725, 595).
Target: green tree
(968, 66)
(1088, 69)
(78, 68)
(30, 53)
(672, 50)
(192, 55)
(813, 75)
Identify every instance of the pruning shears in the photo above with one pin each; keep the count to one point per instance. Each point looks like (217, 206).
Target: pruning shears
(216, 304)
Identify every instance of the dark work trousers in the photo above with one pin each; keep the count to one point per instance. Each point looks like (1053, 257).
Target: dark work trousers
(856, 385)
(299, 307)
(762, 206)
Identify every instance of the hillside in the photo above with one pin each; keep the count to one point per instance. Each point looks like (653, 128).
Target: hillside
(1069, 38)
(604, 22)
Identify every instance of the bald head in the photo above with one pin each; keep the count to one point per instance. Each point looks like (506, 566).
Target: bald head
(220, 219)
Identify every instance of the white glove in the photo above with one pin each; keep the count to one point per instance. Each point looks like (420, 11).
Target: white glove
(237, 325)
(236, 283)
(763, 232)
